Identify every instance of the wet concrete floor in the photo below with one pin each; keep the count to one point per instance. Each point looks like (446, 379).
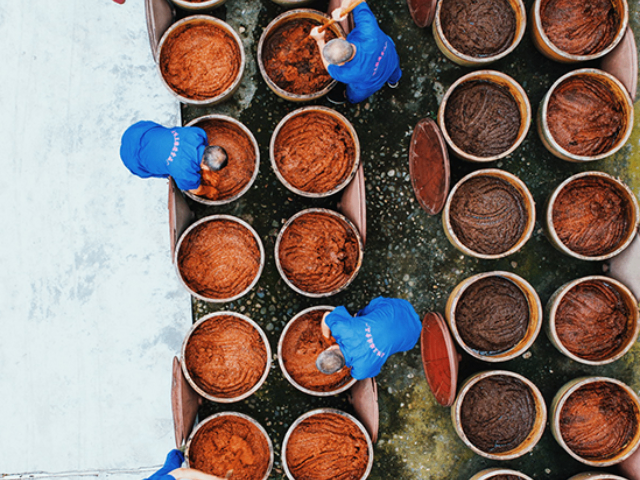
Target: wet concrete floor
(407, 254)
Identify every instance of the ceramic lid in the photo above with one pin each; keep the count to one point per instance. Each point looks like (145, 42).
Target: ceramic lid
(429, 166)
(439, 358)
(160, 16)
(180, 215)
(184, 404)
(422, 11)
(364, 398)
(625, 267)
(622, 63)
(353, 203)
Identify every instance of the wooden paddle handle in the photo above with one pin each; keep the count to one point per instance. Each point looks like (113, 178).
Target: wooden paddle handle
(346, 12)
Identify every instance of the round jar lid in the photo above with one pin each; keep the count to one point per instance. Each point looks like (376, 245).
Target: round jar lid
(422, 11)
(439, 358)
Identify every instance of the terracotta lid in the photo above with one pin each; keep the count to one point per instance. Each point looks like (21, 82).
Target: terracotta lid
(622, 63)
(625, 267)
(180, 215)
(429, 166)
(353, 203)
(364, 398)
(160, 16)
(439, 358)
(184, 404)
(422, 11)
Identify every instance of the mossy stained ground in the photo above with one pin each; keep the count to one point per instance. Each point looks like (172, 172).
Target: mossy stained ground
(407, 253)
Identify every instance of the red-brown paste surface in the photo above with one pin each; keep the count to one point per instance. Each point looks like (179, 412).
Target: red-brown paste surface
(585, 117)
(478, 28)
(300, 349)
(327, 446)
(228, 443)
(319, 252)
(225, 356)
(292, 59)
(591, 217)
(488, 214)
(315, 152)
(505, 477)
(241, 164)
(593, 321)
(578, 27)
(492, 315)
(219, 259)
(498, 413)
(482, 118)
(598, 421)
(200, 61)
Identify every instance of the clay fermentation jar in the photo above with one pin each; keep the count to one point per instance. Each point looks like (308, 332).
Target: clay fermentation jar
(494, 316)
(595, 419)
(489, 214)
(586, 115)
(325, 444)
(230, 441)
(572, 31)
(499, 474)
(198, 5)
(201, 60)
(315, 151)
(300, 344)
(219, 258)
(289, 59)
(593, 320)
(499, 415)
(318, 252)
(484, 116)
(596, 476)
(480, 32)
(592, 216)
(226, 357)
(243, 164)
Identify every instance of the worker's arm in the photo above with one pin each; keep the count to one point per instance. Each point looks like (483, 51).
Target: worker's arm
(191, 474)
(319, 38)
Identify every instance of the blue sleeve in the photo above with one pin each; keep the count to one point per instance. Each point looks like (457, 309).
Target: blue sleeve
(365, 22)
(174, 460)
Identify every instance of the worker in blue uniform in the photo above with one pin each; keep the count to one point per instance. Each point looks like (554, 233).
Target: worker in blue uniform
(365, 61)
(172, 470)
(366, 340)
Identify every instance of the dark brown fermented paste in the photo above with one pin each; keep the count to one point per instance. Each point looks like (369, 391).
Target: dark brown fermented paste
(598, 421)
(314, 152)
(585, 117)
(593, 321)
(225, 356)
(498, 413)
(300, 349)
(578, 27)
(591, 217)
(200, 61)
(504, 477)
(327, 446)
(488, 215)
(478, 28)
(319, 252)
(292, 59)
(241, 164)
(482, 118)
(230, 443)
(492, 315)
(219, 259)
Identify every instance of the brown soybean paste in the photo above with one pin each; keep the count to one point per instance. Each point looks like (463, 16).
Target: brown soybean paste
(585, 117)
(292, 59)
(498, 413)
(488, 214)
(592, 320)
(598, 421)
(228, 182)
(315, 152)
(225, 356)
(219, 259)
(591, 217)
(327, 446)
(200, 61)
(319, 252)
(230, 443)
(492, 315)
(482, 118)
(478, 28)
(504, 477)
(300, 349)
(578, 27)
